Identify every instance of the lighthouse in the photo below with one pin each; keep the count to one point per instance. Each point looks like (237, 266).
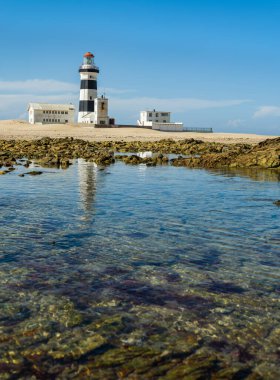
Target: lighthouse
(92, 109)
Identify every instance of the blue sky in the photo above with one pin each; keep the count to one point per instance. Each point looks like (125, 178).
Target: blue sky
(212, 63)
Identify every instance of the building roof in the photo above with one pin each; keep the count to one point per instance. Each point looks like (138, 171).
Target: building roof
(48, 106)
(157, 111)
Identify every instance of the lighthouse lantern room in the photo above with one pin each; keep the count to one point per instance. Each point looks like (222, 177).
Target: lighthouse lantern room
(89, 103)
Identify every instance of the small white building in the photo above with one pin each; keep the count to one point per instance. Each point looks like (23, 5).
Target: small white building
(44, 113)
(101, 111)
(158, 120)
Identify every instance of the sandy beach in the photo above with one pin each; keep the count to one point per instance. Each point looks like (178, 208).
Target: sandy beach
(21, 130)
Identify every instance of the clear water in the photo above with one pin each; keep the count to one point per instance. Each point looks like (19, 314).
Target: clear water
(139, 273)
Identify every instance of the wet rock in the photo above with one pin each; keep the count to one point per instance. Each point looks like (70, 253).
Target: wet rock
(58, 152)
(133, 160)
(34, 172)
(196, 367)
(104, 158)
(74, 345)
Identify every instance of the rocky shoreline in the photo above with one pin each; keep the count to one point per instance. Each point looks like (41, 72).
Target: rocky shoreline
(190, 153)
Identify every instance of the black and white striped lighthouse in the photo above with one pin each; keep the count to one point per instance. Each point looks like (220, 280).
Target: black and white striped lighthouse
(88, 90)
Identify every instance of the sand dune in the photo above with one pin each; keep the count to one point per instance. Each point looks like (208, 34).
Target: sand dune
(16, 129)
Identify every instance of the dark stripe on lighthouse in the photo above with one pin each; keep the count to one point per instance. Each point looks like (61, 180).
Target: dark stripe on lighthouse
(88, 84)
(86, 106)
(89, 70)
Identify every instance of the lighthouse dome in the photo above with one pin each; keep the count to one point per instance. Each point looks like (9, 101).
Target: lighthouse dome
(88, 54)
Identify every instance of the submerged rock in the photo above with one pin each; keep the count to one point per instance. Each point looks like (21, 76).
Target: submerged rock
(34, 172)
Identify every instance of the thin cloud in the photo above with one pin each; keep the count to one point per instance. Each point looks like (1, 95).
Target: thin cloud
(267, 111)
(13, 106)
(235, 122)
(114, 91)
(173, 105)
(38, 86)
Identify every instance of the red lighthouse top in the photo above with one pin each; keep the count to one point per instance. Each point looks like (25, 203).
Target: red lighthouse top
(88, 64)
(88, 55)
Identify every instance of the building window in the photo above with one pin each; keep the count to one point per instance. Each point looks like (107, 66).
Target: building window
(156, 121)
(164, 121)
(150, 114)
(164, 114)
(90, 97)
(66, 112)
(156, 114)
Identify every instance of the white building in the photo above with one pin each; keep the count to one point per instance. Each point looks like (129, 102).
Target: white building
(92, 109)
(44, 113)
(158, 120)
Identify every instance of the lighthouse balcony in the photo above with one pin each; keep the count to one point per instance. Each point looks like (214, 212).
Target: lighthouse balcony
(89, 68)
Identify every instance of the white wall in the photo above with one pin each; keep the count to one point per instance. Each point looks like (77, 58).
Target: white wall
(43, 117)
(101, 106)
(155, 116)
(158, 120)
(171, 127)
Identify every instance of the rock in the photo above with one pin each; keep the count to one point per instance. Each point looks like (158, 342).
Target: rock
(277, 203)
(58, 152)
(34, 172)
(75, 346)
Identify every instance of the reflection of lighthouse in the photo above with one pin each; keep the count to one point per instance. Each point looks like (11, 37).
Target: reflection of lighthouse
(87, 180)
(92, 109)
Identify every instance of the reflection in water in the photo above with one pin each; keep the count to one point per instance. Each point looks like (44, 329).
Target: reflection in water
(87, 181)
(255, 174)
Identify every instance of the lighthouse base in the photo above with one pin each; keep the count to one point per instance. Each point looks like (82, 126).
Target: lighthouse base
(100, 114)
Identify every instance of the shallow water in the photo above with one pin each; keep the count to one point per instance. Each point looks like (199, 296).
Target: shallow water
(139, 273)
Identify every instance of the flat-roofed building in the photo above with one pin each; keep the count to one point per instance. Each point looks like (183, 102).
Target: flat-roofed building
(159, 120)
(45, 113)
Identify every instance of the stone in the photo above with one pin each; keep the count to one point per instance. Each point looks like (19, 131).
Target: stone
(34, 172)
